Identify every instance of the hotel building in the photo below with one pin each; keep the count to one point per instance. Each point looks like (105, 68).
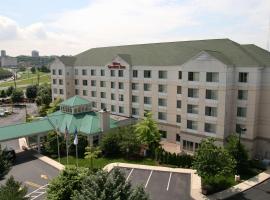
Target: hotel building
(195, 89)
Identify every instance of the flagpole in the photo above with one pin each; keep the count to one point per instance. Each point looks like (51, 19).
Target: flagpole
(58, 148)
(77, 154)
(67, 148)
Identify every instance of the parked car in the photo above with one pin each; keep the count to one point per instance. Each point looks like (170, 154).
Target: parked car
(2, 112)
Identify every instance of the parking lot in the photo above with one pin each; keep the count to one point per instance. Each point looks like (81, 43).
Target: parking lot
(160, 185)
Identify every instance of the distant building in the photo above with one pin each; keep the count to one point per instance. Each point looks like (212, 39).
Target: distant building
(35, 53)
(7, 61)
(3, 53)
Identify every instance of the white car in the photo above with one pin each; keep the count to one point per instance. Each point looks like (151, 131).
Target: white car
(2, 112)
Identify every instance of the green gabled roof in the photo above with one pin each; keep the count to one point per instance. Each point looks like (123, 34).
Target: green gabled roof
(260, 54)
(75, 101)
(67, 60)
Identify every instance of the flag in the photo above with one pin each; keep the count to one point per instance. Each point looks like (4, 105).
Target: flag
(66, 132)
(75, 137)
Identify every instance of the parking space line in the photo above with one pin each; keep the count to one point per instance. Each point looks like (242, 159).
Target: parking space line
(32, 184)
(169, 181)
(129, 174)
(148, 179)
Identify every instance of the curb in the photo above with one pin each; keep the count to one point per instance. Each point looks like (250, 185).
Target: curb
(49, 161)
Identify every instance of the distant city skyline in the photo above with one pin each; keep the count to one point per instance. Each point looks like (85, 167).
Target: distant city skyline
(69, 27)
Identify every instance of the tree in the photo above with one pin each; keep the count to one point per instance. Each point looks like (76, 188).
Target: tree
(91, 153)
(50, 145)
(55, 105)
(10, 90)
(110, 143)
(44, 95)
(147, 132)
(33, 70)
(31, 92)
(5, 164)
(103, 185)
(3, 94)
(17, 96)
(238, 151)
(13, 190)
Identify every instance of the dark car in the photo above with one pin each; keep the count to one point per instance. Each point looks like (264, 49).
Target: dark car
(10, 154)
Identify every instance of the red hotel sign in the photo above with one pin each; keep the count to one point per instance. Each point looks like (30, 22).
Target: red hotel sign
(116, 65)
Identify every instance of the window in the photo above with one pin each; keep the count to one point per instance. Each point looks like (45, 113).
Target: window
(177, 137)
(121, 97)
(162, 102)
(162, 74)
(193, 92)
(112, 73)
(76, 82)
(121, 109)
(113, 108)
(54, 81)
(212, 76)
(135, 73)
(147, 73)
(93, 93)
(121, 85)
(163, 134)
(135, 86)
(242, 94)
(241, 111)
(94, 104)
(53, 72)
(179, 89)
(84, 72)
(93, 72)
(93, 83)
(103, 106)
(178, 118)
(243, 77)
(103, 95)
(120, 73)
(162, 116)
(102, 84)
(147, 100)
(239, 127)
(135, 111)
(135, 99)
(162, 88)
(84, 82)
(178, 104)
(112, 85)
(187, 145)
(102, 72)
(55, 90)
(84, 92)
(60, 72)
(60, 82)
(61, 91)
(76, 72)
(192, 125)
(147, 87)
(211, 94)
(77, 92)
(112, 96)
(210, 128)
(193, 109)
(211, 111)
(193, 76)
(179, 74)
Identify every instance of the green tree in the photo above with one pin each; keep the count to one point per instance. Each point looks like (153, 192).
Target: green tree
(13, 190)
(103, 186)
(110, 143)
(91, 153)
(147, 132)
(17, 96)
(44, 95)
(33, 70)
(10, 90)
(5, 164)
(50, 145)
(31, 92)
(55, 105)
(3, 94)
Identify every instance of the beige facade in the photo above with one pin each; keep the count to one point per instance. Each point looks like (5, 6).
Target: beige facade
(202, 97)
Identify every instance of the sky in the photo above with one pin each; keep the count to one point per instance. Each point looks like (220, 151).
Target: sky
(68, 27)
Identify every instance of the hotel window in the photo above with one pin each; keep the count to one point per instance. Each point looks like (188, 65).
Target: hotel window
(93, 83)
(162, 88)
(135, 111)
(242, 94)
(239, 127)
(147, 100)
(211, 94)
(147, 87)
(135, 73)
(54, 81)
(147, 73)
(120, 73)
(60, 82)
(177, 137)
(112, 96)
(60, 72)
(162, 74)
(84, 82)
(84, 72)
(243, 77)
(76, 82)
(193, 76)
(61, 91)
(121, 85)
(112, 85)
(135, 86)
(192, 125)
(210, 128)
(53, 72)
(178, 118)
(121, 97)
(187, 145)
(103, 95)
(193, 109)
(179, 89)
(113, 108)
(55, 90)
(162, 102)
(77, 92)
(84, 92)
(112, 73)
(121, 109)
(163, 134)
(193, 92)
(76, 72)
(102, 84)
(102, 72)
(179, 74)
(94, 104)
(211, 111)
(241, 111)
(162, 116)
(103, 106)
(93, 72)
(135, 99)
(178, 104)
(212, 77)
(93, 93)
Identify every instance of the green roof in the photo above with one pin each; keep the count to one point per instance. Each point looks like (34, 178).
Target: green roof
(75, 101)
(175, 53)
(67, 60)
